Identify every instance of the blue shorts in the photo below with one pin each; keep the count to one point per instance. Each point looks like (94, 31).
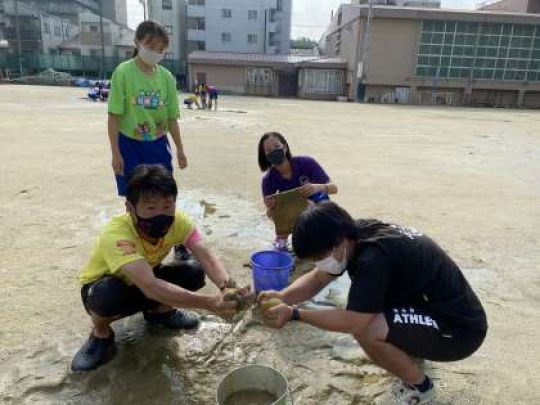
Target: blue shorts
(136, 152)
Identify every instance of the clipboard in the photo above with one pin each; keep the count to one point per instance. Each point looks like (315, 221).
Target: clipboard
(289, 205)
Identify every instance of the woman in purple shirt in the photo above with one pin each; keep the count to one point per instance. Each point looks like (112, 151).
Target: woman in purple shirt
(284, 172)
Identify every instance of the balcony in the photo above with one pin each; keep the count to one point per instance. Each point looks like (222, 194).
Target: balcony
(196, 11)
(272, 27)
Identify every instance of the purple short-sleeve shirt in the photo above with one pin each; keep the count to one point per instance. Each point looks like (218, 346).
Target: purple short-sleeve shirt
(305, 170)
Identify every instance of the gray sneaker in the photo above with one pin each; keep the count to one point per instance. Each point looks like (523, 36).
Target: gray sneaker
(406, 394)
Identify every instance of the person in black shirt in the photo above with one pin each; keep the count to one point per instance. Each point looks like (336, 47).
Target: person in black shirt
(408, 299)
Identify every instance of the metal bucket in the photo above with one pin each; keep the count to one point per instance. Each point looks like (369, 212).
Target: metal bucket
(254, 377)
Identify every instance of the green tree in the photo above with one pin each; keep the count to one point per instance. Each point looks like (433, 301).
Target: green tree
(303, 43)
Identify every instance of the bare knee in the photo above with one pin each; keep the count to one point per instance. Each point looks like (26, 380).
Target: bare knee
(375, 332)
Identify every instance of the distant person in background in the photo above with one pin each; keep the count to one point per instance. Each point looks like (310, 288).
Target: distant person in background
(93, 93)
(143, 109)
(104, 92)
(284, 172)
(213, 94)
(191, 100)
(203, 93)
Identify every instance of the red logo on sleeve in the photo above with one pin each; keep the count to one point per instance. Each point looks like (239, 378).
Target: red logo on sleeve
(127, 246)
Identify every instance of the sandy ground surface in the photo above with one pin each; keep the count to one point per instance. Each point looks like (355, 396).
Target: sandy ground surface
(468, 178)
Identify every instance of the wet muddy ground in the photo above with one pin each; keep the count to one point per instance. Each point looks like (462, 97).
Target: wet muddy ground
(468, 178)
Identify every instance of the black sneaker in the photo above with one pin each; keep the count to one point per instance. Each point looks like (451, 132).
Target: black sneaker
(182, 254)
(95, 352)
(176, 319)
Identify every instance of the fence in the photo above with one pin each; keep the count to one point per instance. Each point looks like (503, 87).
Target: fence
(88, 66)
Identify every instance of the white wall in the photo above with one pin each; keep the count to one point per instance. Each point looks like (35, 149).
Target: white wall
(239, 26)
(174, 18)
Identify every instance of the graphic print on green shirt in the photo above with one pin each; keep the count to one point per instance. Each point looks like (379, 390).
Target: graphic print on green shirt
(145, 103)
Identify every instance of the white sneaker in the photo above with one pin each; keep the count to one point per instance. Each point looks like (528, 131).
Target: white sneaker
(406, 394)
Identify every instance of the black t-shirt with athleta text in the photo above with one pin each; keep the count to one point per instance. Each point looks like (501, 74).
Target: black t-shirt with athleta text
(398, 267)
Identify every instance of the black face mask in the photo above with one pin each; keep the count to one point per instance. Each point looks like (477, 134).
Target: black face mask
(155, 227)
(276, 157)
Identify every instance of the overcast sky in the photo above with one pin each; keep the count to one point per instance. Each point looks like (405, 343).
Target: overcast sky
(310, 17)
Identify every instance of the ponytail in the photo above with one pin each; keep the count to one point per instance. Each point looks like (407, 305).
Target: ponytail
(148, 30)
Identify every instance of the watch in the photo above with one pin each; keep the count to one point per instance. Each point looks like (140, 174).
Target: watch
(295, 313)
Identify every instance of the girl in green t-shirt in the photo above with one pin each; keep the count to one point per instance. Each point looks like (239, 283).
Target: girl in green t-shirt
(143, 108)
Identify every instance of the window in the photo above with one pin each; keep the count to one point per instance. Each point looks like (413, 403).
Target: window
(259, 75)
(252, 38)
(319, 81)
(279, 5)
(273, 16)
(196, 23)
(487, 50)
(225, 37)
(166, 4)
(93, 28)
(226, 13)
(168, 56)
(47, 28)
(196, 46)
(168, 28)
(252, 14)
(196, 2)
(57, 31)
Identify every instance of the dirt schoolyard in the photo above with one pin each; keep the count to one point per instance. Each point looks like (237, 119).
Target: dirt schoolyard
(469, 178)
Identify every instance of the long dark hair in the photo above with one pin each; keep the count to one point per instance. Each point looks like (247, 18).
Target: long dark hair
(148, 30)
(320, 228)
(264, 164)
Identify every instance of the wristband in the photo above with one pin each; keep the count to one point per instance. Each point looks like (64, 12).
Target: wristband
(295, 313)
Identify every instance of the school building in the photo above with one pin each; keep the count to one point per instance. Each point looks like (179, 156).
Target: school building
(436, 56)
(306, 76)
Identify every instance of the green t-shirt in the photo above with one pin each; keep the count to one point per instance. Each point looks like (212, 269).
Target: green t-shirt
(145, 103)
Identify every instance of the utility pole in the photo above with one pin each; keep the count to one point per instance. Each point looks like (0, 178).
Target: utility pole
(102, 35)
(18, 33)
(265, 33)
(364, 56)
(143, 3)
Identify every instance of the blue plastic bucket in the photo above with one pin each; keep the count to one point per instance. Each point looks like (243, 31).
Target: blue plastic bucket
(271, 270)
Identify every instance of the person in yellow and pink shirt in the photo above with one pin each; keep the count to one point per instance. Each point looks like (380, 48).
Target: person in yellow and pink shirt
(126, 274)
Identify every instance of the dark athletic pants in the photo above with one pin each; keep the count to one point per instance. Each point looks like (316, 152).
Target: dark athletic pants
(421, 335)
(109, 296)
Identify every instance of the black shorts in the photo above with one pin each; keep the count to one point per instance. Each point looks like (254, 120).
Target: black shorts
(428, 337)
(109, 296)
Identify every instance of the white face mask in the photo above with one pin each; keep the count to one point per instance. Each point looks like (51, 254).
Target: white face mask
(150, 57)
(333, 266)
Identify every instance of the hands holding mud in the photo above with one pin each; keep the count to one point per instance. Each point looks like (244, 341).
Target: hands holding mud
(232, 299)
(275, 312)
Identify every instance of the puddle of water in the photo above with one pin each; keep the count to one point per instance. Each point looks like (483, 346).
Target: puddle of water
(223, 227)
(333, 295)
